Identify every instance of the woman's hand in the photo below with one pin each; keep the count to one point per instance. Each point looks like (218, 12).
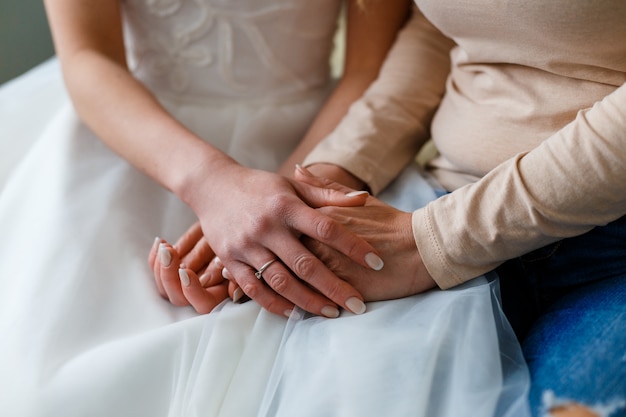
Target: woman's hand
(390, 232)
(193, 252)
(189, 272)
(180, 284)
(260, 216)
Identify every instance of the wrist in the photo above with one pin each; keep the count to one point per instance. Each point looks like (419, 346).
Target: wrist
(198, 175)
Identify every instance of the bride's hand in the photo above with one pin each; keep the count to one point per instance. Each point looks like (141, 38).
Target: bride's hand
(260, 217)
(179, 282)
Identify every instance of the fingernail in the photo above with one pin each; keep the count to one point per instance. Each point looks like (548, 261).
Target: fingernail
(184, 277)
(204, 278)
(356, 193)
(330, 312)
(292, 314)
(303, 171)
(237, 294)
(164, 255)
(225, 273)
(155, 244)
(355, 305)
(374, 261)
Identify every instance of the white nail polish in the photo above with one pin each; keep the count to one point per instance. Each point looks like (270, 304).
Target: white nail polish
(330, 312)
(356, 193)
(355, 305)
(155, 244)
(374, 261)
(225, 273)
(292, 314)
(303, 171)
(204, 278)
(184, 277)
(237, 294)
(164, 255)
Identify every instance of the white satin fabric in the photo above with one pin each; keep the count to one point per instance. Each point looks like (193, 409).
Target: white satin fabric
(83, 331)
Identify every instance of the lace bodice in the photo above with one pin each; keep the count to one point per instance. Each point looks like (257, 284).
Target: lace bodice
(230, 48)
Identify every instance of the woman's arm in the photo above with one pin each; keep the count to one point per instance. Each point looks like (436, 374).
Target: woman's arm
(384, 129)
(572, 182)
(251, 216)
(371, 32)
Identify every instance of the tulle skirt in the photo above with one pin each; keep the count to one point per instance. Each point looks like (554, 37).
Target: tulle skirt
(83, 331)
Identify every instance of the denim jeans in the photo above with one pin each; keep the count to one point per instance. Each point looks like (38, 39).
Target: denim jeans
(567, 304)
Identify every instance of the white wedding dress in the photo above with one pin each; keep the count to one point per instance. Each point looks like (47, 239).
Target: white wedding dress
(83, 331)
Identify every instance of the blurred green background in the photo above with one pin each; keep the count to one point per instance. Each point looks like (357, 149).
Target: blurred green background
(24, 37)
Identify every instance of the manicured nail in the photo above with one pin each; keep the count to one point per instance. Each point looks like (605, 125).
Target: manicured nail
(237, 294)
(330, 312)
(164, 255)
(225, 273)
(204, 278)
(155, 244)
(356, 193)
(355, 305)
(303, 170)
(292, 314)
(374, 261)
(184, 277)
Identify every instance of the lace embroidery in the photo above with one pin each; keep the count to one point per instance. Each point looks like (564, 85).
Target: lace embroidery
(174, 53)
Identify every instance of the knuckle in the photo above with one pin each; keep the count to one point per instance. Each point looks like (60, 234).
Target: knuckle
(232, 252)
(305, 266)
(325, 228)
(251, 289)
(279, 282)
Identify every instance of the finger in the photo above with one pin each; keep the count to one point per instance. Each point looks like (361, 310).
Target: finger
(218, 273)
(324, 192)
(285, 285)
(152, 255)
(234, 290)
(316, 274)
(189, 239)
(304, 175)
(199, 256)
(156, 266)
(236, 293)
(320, 227)
(169, 262)
(258, 290)
(203, 300)
(282, 281)
(212, 275)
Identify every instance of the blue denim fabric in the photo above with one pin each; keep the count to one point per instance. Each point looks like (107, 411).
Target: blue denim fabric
(567, 304)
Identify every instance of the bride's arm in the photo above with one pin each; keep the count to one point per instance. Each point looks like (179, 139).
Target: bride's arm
(370, 32)
(252, 216)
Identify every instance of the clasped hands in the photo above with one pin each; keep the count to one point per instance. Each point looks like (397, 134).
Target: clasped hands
(326, 275)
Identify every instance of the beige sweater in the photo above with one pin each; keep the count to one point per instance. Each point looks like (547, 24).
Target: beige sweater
(526, 103)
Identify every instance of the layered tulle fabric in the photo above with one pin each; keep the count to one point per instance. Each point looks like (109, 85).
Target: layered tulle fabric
(83, 331)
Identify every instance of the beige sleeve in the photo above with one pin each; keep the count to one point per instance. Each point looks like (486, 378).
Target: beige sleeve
(384, 130)
(572, 182)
